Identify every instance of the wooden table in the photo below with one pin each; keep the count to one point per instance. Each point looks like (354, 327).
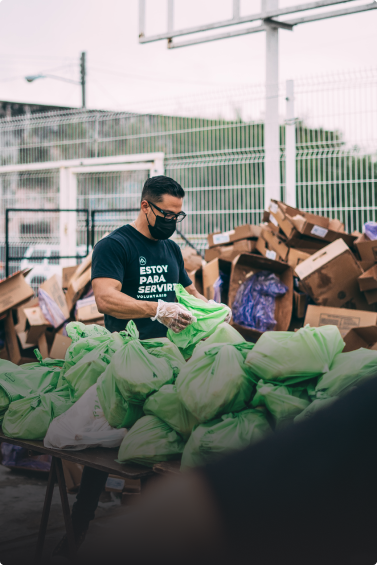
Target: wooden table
(168, 467)
(98, 458)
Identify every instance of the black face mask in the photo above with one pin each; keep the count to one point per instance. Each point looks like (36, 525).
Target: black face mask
(162, 229)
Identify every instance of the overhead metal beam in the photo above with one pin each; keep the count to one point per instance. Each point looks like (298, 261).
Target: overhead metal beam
(285, 25)
(276, 24)
(234, 21)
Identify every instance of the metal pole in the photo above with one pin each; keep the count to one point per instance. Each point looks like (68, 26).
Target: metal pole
(93, 226)
(141, 18)
(7, 243)
(236, 9)
(290, 147)
(83, 78)
(271, 128)
(170, 15)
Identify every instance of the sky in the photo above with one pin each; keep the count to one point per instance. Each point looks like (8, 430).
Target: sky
(39, 36)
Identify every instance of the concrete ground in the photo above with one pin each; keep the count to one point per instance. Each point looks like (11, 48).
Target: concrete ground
(22, 496)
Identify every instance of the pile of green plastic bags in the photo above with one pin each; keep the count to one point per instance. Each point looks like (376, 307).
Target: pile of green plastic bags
(196, 395)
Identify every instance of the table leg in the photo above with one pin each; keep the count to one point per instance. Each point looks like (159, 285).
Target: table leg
(45, 512)
(65, 507)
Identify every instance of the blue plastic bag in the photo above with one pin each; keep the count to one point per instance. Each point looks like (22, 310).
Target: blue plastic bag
(254, 305)
(370, 230)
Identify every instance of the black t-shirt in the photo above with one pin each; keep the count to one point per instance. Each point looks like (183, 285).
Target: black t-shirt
(147, 269)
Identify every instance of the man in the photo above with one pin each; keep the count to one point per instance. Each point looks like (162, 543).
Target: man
(134, 271)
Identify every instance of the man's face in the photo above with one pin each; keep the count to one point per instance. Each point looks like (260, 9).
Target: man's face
(168, 204)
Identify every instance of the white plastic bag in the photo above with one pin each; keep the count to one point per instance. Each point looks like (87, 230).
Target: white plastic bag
(83, 425)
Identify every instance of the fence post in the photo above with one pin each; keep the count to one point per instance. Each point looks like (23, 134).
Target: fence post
(290, 146)
(67, 220)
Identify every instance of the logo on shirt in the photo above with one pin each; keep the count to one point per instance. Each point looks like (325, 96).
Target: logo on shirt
(142, 261)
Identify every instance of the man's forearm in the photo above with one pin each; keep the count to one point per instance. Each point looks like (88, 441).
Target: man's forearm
(194, 292)
(123, 307)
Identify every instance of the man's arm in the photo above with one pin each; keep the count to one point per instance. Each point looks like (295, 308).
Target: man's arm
(110, 300)
(194, 292)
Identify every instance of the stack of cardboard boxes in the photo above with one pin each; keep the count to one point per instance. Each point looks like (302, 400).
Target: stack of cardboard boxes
(331, 275)
(25, 326)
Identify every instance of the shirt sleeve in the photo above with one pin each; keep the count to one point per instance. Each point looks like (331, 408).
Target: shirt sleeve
(109, 260)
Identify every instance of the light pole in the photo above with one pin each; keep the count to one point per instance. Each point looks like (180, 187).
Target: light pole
(82, 82)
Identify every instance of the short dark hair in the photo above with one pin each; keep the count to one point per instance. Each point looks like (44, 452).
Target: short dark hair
(155, 188)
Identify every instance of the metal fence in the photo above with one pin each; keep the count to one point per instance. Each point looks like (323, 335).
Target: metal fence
(213, 146)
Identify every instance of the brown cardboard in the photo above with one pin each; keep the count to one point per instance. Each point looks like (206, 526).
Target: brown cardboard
(22, 336)
(368, 280)
(366, 248)
(330, 277)
(88, 313)
(54, 290)
(36, 324)
(11, 340)
(295, 257)
(197, 279)
(72, 475)
(299, 304)
(14, 291)
(76, 288)
(246, 264)
(269, 245)
(229, 252)
(211, 272)
(67, 274)
(366, 265)
(19, 314)
(361, 337)
(344, 319)
(60, 346)
(191, 259)
(371, 296)
(247, 231)
(42, 345)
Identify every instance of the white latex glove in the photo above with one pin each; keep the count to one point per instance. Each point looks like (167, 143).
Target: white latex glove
(229, 316)
(173, 315)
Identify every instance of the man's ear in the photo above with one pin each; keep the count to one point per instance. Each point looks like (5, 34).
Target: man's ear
(144, 206)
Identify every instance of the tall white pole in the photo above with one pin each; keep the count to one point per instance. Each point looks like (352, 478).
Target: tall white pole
(271, 128)
(290, 146)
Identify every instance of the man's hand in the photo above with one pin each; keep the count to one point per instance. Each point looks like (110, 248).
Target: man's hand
(229, 316)
(173, 315)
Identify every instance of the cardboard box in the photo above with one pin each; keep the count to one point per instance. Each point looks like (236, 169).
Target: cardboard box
(295, 223)
(197, 279)
(229, 252)
(344, 319)
(67, 274)
(247, 264)
(371, 296)
(19, 316)
(367, 249)
(60, 346)
(88, 313)
(368, 280)
(24, 344)
(361, 337)
(72, 475)
(14, 291)
(11, 340)
(247, 231)
(271, 246)
(295, 257)
(76, 288)
(114, 483)
(36, 324)
(330, 277)
(53, 289)
(191, 259)
(43, 346)
(300, 301)
(211, 272)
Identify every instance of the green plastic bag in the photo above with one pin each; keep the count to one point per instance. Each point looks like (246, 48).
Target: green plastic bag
(118, 412)
(17, 383)
(316, 406)
(86, 372)
(348, 370)
(149, 441)
(30, 417)
(224, 333)
(295, 356)
(137, 373)
(208, 317)
(166, 405)
(78, 330)
(280, 402)
(231, 432)
(163, 347)
(214, 382)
